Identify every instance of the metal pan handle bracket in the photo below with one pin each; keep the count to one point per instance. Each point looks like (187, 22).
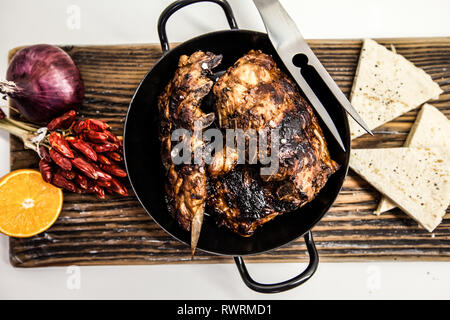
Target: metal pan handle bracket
(177, 5)
(288, 284)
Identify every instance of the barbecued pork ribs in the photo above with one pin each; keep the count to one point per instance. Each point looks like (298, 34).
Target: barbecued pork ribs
(179, 108)
(255, 94)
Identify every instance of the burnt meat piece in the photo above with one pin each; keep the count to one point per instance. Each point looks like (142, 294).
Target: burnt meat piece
(255, 94)
(242, 201)
(179, 108)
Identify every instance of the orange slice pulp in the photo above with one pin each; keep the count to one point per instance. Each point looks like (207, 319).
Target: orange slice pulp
(28, 204)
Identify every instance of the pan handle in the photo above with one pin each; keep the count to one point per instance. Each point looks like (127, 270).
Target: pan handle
(288, 284)
(177, 5)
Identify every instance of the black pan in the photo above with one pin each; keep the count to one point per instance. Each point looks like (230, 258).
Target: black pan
(141, 147)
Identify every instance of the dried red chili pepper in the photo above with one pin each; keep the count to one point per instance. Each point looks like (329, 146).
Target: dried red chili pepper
(96, 125)
(83, 147)
(118, 188)
(43, 152)
(86, 168)
(114, 170)
(90, 188)
(57, 141)
(114, 156)
(106, 147)
(101, 175)
(103, 184)
(79, 190)
(111, 136)
(62, 122)
(120, 150)
(99, 191)
(2, 114)
(81, 181)
(78, 127)
(60, 160)
(94, 136)
(46, 170)
(61, 182)
(69, 175)
(103, 159)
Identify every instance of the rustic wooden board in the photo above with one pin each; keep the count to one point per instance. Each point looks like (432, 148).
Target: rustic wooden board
(118, 231)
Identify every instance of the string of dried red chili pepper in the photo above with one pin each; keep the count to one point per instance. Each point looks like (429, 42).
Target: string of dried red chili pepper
(87, 156)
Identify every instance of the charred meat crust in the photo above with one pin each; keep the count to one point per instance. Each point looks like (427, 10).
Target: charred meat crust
(255, 94)
(242, 201)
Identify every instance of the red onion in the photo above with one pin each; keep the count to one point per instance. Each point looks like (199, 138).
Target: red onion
(43, 83)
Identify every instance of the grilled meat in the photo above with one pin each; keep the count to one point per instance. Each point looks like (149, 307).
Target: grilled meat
(255, 94)
(179, 108)
(251, 94)
(242, 201)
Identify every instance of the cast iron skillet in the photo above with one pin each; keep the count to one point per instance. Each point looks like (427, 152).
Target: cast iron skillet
(143, 163)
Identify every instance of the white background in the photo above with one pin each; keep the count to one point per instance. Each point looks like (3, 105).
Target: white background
(117, 22)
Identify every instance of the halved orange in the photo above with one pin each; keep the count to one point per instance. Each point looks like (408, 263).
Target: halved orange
(28, 204)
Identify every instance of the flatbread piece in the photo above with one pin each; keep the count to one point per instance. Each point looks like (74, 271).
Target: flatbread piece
(416, 179)
(386, 86)
(431, 129)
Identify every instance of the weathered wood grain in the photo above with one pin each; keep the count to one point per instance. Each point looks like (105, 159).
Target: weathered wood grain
(118, 231)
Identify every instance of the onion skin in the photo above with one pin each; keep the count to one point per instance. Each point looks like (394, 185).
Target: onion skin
(47, 82)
